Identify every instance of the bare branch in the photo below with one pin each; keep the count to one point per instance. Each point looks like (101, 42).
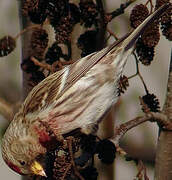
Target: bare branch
(123, 128)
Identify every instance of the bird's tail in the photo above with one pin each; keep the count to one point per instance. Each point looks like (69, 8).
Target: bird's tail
(126, 44)
(130, 41)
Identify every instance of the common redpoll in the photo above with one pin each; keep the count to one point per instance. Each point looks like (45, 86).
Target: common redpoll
(77, 97)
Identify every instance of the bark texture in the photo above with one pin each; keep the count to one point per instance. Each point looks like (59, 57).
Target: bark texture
(163, 166)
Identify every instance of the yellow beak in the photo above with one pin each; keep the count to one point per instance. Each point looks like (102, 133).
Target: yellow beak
(37, 169)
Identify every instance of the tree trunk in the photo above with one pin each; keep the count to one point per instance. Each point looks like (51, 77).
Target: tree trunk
(163, 166)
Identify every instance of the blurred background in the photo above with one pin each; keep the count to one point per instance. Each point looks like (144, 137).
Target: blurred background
(140, 141)
(10, 75)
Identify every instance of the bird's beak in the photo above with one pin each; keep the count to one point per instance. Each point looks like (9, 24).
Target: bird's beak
(37, 169)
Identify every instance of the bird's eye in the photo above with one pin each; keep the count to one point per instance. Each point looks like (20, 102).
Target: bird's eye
(22, 163)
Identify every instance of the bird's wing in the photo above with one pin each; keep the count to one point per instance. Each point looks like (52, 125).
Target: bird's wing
(59, 82)
(42, 94)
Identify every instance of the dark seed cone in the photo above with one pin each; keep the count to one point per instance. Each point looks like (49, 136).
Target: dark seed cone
(37, 13)
(89, 173)
(159, 3)
(53, 54)
(87, 42)
(56, 9)
(151, 35)
(28, 5)
(49, 163)
(123, 84)
(89, 12)
(28, 66)
(166, 23)
(63, 168)
(64, 24)
(166, 19)
(61, 164)
(83, 159)
(63, 30)
(39, 42)
(37, 17)
(152, 102)
(167, 15)
(74, 12)
(145, 53)
(7, 45)
(106, 151)
(37, 77)
(88, 143)
(138, 14)
(167, 30)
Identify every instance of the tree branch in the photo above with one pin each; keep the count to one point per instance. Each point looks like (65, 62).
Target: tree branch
(125, 127)
(163, 160)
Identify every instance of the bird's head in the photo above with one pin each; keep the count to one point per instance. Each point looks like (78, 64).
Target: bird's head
(20, 152)
(25, 168)
(21, 157)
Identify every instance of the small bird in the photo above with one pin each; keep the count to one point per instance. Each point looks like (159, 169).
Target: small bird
(76, 97)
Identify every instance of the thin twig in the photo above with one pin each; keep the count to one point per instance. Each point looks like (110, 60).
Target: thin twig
(139, 74)
(70, 139)
(140, 166)
(145, 173)
(140, 169)
(112, 33)
(66, 171)
(120, 151)
(25, 30)
(151, 5)
(145, 107)
(132, 76)
(40, 64)
(118, 11)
